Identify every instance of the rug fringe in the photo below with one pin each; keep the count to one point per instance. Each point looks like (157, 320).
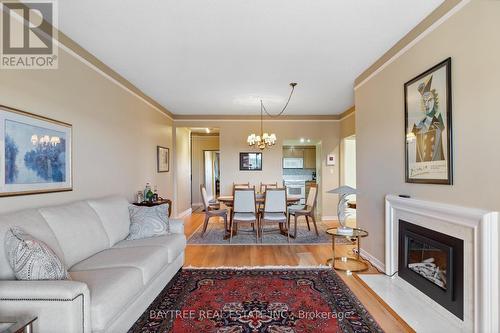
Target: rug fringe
(321, 266)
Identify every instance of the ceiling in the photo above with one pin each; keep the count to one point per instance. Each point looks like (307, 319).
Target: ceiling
(220, 56)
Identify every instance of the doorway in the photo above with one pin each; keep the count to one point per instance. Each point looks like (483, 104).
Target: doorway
(211, 163)
(205, 164)
(349, 161)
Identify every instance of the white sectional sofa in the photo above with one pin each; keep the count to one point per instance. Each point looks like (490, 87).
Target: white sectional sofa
(113, 280)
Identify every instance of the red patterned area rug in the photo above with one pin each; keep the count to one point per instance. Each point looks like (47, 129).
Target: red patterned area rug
(256, 300)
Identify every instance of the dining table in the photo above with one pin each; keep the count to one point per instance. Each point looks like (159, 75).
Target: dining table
(259, 199)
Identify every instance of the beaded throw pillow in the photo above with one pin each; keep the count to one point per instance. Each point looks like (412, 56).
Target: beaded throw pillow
(32, 259)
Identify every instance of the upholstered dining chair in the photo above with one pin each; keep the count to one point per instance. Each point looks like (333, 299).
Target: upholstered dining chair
(211, 210)
(264, 187)
(308, 211)
(241, 186)
(244, 211)
(275, 211)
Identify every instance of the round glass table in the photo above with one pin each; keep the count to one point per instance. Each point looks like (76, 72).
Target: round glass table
(347, 263)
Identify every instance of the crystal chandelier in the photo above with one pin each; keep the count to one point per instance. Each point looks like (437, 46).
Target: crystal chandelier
(264, 139)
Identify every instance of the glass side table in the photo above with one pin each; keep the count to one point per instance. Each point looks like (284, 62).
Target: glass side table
(346, 263)
(17, 324)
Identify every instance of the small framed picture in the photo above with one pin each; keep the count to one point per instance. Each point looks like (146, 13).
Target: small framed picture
(330, 159)
(37, 154)
(428, 127)
(162, 156)
(250, 161)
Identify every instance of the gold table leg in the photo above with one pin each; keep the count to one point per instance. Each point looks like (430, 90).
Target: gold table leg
(357, 259)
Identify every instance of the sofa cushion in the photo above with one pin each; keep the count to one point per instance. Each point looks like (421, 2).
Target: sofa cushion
(114, 215)
(32, 259)
(78, 229)
(174, 243)
(149, 259)
(111, 289)
(32, 222)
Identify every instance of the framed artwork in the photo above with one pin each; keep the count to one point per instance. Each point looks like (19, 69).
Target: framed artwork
(162, 159)
(428, 126)
(250, 161)
(35, 154)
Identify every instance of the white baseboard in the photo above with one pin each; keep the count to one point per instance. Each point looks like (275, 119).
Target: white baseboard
(329, 218)
(374, 261)
(184, 213)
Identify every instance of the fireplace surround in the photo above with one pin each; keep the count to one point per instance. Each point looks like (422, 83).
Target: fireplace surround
(479, 231)
(433, 263)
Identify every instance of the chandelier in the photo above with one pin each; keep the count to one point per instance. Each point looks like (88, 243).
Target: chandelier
(265, 139)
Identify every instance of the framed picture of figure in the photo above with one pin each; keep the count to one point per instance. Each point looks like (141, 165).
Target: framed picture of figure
(35, 154)
(428, 126)
(162, 159)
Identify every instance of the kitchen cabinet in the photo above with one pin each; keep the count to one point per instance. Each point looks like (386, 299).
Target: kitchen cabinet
(309, 158)
(307, 153)
(293, 152)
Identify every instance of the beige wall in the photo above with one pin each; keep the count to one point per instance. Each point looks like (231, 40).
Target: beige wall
(115, 134)
(182, 170)
(348, 126)
(233, 136)
(198, 145)
(471, 39)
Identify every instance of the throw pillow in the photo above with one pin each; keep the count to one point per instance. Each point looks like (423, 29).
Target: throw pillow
(32, 259)
(148, 221)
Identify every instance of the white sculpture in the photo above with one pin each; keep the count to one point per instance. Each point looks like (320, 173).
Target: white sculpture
(342, 211)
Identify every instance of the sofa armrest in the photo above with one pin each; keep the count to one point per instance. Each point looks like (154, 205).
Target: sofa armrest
(61, 306)
(176, 226)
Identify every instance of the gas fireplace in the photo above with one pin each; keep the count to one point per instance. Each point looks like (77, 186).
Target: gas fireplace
(433, 263)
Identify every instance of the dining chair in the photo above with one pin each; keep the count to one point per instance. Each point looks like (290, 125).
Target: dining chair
(244, 211)
(241, 186)
(308, 210)
(275, 211)
(211, 210)
(263, 186)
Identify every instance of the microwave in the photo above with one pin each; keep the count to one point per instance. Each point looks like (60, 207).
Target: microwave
(293, 163)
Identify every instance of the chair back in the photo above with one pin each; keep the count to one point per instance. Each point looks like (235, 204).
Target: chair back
(264, 187)
(241, 186)
(312, 196)
(244, 200)
(204, 197)
(275, 201)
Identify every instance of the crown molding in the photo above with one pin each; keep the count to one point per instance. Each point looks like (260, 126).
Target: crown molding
(347, 113)
(336, 117)
(205, 134)
(428, 24)
(255, 118)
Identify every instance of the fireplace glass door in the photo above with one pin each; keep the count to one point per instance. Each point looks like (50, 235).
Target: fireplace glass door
(429, 261)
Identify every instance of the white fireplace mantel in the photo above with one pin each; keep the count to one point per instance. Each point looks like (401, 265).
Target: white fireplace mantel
(480, 232)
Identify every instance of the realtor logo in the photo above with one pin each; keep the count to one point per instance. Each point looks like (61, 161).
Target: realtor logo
(27, 36)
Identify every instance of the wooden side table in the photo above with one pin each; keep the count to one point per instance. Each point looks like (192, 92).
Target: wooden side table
(17, 324)
(156, 203)
(360, 265)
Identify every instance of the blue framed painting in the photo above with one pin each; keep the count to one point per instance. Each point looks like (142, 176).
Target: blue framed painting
(35, 154)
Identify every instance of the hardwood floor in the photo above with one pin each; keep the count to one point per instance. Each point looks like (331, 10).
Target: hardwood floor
(288, 255)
